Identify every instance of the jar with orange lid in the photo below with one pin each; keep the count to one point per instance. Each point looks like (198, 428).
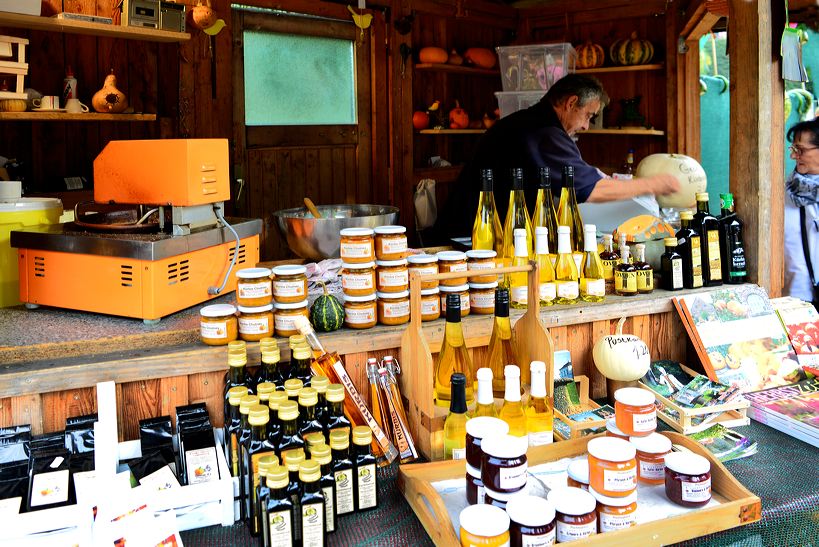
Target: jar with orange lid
(358, 279)
(253, 287)
(615, 514)
(255, 323)
(612, 466)
(424, 264)
(393, 308)
(462, 291)
(484, 526)
(360, 312)
(430, 304)
(357, 245)
(289, 283)
(651, 451)
(391, 275)
(286, 314)
(452, 261)
(481, 259)
(577, 474)
(217, 324)
(390, 243)
(635, 411)
(575, 513)
(482, 297)
(613, 431)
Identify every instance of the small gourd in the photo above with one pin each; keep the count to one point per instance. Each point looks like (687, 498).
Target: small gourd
(109, 99)
(327, 313)
(621, 357)
(11, 105)
(631, 51)
(202, 15)
(590, 55)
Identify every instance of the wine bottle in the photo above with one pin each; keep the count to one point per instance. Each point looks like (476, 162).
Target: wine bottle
(517, 282)
(625, 274)
(672, 266)
(455, 423)
(566, 276)
(593, 278)
(501, 350)
(485, 405)
(539, 415)
(487, 232)
(610, 260)
(733, 249)
(568, 213)
(546, 283)
(545, 215)
(645, 273)
(512, 410)
(689, 245)
(453, 356)
(517, 216)
(708, 227)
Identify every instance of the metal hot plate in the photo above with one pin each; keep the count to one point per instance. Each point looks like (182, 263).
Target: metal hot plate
(69, 238)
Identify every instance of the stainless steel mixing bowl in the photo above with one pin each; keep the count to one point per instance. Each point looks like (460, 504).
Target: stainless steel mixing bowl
(317, 238)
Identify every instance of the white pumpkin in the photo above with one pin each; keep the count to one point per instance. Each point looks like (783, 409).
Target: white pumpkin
(621, 357)
(687, 170)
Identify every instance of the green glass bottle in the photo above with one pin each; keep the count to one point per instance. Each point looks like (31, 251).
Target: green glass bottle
(278, 528)
(366, 483)
(731, 244)
(342, 472)
(455, 423)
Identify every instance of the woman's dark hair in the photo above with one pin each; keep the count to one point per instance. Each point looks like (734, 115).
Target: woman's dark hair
(811, 127)
(586, 88)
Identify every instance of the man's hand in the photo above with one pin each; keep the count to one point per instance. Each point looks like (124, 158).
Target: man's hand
(663, 184)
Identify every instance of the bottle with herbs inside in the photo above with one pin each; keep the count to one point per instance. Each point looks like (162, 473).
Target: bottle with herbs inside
(708, 227)
(645, 272)
(672, 266)
(733, 249)
(625, 274)
(689, 245)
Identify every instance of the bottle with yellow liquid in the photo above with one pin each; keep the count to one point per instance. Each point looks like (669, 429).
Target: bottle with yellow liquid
(645, 272)
(455, 423)
(517, 216)
(512, 410)
(487, 232)
(539, 415)
(545, 214)
(568, 214)
(610, 260)
(517, 282)
(453, 356)
(625, 274)
(501, 350)
(566, 276)
(546, 283)
(485, 405)
(593, 278)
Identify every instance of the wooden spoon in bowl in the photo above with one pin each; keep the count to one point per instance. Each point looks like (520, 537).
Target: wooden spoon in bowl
(312, 207)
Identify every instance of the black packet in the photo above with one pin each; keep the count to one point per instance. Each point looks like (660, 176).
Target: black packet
(79, 434)
(150, 462)
(199, 463)
(78, 463)
(157, 434)
(15, 487)
(48, 442)
(187, 418)
(50, 482)
(15, 445)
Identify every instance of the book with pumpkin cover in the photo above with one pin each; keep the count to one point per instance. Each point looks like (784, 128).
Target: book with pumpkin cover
(801, 320)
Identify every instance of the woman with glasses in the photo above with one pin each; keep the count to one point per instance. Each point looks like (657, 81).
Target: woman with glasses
(802, 214)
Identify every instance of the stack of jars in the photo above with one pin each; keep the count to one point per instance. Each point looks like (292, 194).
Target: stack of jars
(425, 264)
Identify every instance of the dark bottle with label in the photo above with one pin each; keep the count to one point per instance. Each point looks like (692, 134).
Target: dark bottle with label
(277, 511)
(645, 273)
(313, 525)
(265, 464)
(308, 422)
(274, 426)
(733, 249)
(689, 245)
(300, 363)
(336, 420)
(290, 438)
(708, 226)
(292, 460)
(258, 447)
(233, 427)
(245, 404)
(366, 483)
(322, 454)
(343, 472)
(672, 266)
(237, 373)
(320, 383)
(610, 260)
(269, 367)
(625, 274)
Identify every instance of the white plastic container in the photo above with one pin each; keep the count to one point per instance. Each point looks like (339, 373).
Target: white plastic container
(535, 67)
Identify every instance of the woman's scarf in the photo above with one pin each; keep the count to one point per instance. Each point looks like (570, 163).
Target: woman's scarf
(803, 189)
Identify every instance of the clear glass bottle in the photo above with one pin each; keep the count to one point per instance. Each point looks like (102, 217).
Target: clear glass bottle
(485, 405)
(517, 216)
(546, 282)
(672, 266)
(343, 472)
(545, 215)
(645, 272)
(512, 410)
(593, 277)
(566, 275)
(313, 525)
(517, 282)
(277, 512)
(708, 226)
(625, 274)
(455, 423)
(539, 415)
(453, 356)
(568, 213)
(689, 245)
(610, 260)
(487, 232)
(366, 483)
(731, 244)
(501, 349)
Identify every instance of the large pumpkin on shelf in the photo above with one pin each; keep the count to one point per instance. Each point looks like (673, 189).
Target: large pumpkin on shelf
(433, 54)
(631, 51)
(687, 170)
(590, 55)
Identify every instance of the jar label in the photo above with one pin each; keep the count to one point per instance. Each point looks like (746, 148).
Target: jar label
(464, 302)
(482, 299)
(398, 278)
(520, 295)
(568, 289)
(539, 438)
(312, 524)
(213, 330)
(548, 291)
(289, 289)
(596, 287)
(644, 422)
(392, 245)
(453, 267)
(543, 540)
(459, 453)
(645, 280)
(356, 250)
(652, 470)
(254, 325)
(360, 316)
(624, 480)
(328, 508)
(612, 523)
(696, 491)
(396, 309)
(285, 323)
(281, 529)
(510, 478)
(424, 270)
(357, 281)
(677, 273)
(481, 494)
(344, 492)
(430, 306)
(571, 532)
(253, 290)
(366, 486)
(488, 265)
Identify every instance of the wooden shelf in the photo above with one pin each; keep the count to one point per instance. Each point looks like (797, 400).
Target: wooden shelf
(69, 26)
(630, 68)
(440, 174)
(625, 131)
(452, 131)
(457, 69)
(84, 117)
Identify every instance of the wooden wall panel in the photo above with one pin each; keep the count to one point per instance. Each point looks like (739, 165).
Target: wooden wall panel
(59, 405)
(139, 400)
(27, 409)
(5, 412)
(173, 392)
(208, 388)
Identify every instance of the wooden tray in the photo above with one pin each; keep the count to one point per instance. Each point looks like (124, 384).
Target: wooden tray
(737, 506)
(577, 428)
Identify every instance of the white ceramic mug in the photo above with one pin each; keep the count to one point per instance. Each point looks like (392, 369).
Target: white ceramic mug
(48, 102)
(74, 106)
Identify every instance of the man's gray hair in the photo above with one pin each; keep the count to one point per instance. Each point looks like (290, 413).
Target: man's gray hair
(586, 88)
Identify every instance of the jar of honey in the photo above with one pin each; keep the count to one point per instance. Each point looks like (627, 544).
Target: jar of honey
(393, 308)
(360, 312)
(482, 297)
(452, 261)
(217, 324)
(253, 287)
(255, 323)
(503, 463)
(358, 279)
(481, 259)
(285, 319)
(612, 466)
(532, 521)
(484, 526)
(289, 283)
(430, 304)
(575, 513)
(477, 429)
(635, 411)
(424, 264)
(391, 275)
(357, 245)
(462, 291)
(651, 451)
(475, 492)
(612, 431)
(390, 243)
(687, 479)
(578, 474)
(615, 514)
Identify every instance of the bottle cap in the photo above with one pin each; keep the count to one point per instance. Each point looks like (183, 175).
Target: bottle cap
(297, 340)
(256, 309)
(363, 435)
(339, 439)
(686, 215)
(537, 367)
(277, 477)
(541, 231)
(544, 176)
(484, 374)
(313, 439)
(293, 458)
(670, 241)
(288, 410)
(608, 237)
(564, 230)
(487, 180)
(320, 383)
(453, 308)
(246, 402)
(276, 399)
(302, 352)
(266, 463)
(237, 360)
(308, 396)
(321, 453)
(293, 386)
(511, 371)
(335, 393)
(702, 196)
(517, 178)
(259, 415)
(264, 389)
(309, 471)
(237, 346)
(270, 354)
(235, 395)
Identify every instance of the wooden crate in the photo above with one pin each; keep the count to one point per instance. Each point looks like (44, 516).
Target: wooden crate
(577, 428)
(737, 505)
(417, 379)
(15, 69)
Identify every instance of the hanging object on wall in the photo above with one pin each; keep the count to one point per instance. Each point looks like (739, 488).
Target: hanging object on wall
(361, 20)
(793, 66)
(109, 99)
(205, 19)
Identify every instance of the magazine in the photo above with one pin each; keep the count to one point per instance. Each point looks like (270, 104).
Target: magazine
(603, 413)
(792, 409)
(726, 444)
(801, 321)
(701, 392)
(666, 377)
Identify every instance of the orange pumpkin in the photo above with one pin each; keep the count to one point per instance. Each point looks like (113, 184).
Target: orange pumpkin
(455, 58)
(203, 16)
(458, 118)
(481, 57)
(590, 55)
(433, 55)
(420, 120)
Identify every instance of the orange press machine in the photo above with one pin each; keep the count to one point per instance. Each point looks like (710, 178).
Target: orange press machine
(170, 247)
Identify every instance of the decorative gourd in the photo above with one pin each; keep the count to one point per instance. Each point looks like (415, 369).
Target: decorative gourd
(688, 171)
(481, 57)
(644, 228)
(631, 51)
(202, 15)
(458, 118)
(590, 55)
(455, 58)
(13, 105)
(327, 313)
(621, 357)
(109, 99)
(433, 55)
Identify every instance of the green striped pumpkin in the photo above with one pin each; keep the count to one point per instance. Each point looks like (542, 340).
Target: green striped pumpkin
(631, 51)
(327, 313)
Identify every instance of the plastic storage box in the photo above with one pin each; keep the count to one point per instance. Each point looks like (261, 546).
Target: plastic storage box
(512, 101)
(535, 67)
(26, 7)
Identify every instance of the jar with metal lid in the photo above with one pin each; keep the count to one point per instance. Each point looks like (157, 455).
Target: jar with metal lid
(452, 261)
(430, 304)
(477, 429)
(651, 451)
(503, 463)
(475, 491)
(482, 297)
(500, 499)
(484, 526)
(358, 279)
(612, 466)
(575, 513)
(424, 264)
(578, 474)
(393, 308)
(532, 521)
(687, 479)
(357, 245)
(635, 411)
(289, 283)
(481, 259)
(286, 313)
(255, 323)
(391, 276)
(217, 324)
(390, 243)
(253, 287)
(462, 291)
(613, 431)
(360, 312)
(615, 514)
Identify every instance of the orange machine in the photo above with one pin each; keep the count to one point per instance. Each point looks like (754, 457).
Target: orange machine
(181, 252)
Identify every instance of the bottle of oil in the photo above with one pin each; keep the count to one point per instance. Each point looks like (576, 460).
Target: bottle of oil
(485, 405)
(733, 249)
(308, 401)
(539, 415)
(269, 367)
(293, 460)
(501, 349)
(313, 525)
(545, 215)
(455, 423)
(453, 356)
(517, 217)
(366, 483)
(320, 383)
(689, 245)
(487, 233)
(625, 274)
(645, 273)
(517, 282)
(512, 410)
(593, 278)
(566, 275)
(708, 226)
(322, 455)
(610, 260)
(233, 425)
(336, 420)
(300, 363)
(258, 447)
(245, 405)
(342, 472)
(237, 372)
(266, 463)
(278, 518)
(264, 390)
(672, 266)
(568, 213)
(547, 286)
(274, 426)
(290, 438)
(292, 387)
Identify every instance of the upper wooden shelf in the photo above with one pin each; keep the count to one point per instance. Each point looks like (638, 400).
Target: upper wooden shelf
(82, 117)
(624, 131)
(630, 68)
(457, 69)
(68, 26)
(452, 131)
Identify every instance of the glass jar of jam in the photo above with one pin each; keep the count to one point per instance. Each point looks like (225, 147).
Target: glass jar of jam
(635, 411)
(578, 474)
(391, 276)
(424, 264)
(503, 462)
(393, 308)
(475, 492)
(452, 261)
(217, 324)
(255, 323)
(687, 479)
(430, 304)
(285, 319)
(612, 431)
(615, 514)
(575, 513)
(651, 451)
(500, 499)
(390, 243)
(253, 287)
(481, 259)
(463, 292)
(289, 283)
(612, 466)
(484, 526)
(480, 428)
(360, 312)
(357, 245)
(358, 279)
(482, 297)
(532, 521)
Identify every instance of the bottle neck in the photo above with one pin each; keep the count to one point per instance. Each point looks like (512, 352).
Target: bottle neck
(702, 207)
(327, 468)
(361, 450)
(685, 223)
(458, 403)
(336, 407)
(243, 420)
(289, 428)
(485, 396)
(314, 342)
(340, 454)
(640, 254)
(624, 252)
(258, 432)
(538, 384)
(670, 248)
(502, 308)
(309, 412)
(564, 244)
(269, 369)
(278, 493)
(521, 248)
(234, 413)
(453, 313)
(590, 242)
(541, 244)
(512, 393)
(237, 375)
(608, 243)
(311, 487)
(568, 181)
(301, 367)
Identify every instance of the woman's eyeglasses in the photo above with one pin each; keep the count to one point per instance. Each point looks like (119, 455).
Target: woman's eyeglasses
(799, 150)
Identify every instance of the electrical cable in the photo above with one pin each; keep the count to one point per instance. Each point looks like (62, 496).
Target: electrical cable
(219, 215)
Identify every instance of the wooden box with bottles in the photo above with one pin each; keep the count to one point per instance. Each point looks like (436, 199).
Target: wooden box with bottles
(417, 381)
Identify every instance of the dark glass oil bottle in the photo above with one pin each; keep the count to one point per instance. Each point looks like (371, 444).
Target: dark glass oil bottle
(320, 383)
(343, 472)
(245, 405)
(300, 363)
(237, 376)
(233, 427)
(293, 460)
(290, 438)
(672, 266)
(336, 420)
(262, 494)
(322, 454)
(708, 226)
(279, 521)
(269, 367)
(689, 245)
(258, 447)
(731, 245)
(366, 482)
(308, 403)
(313, 527)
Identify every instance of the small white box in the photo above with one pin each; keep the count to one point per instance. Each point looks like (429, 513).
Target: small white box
(512, 101)
(26, 7)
